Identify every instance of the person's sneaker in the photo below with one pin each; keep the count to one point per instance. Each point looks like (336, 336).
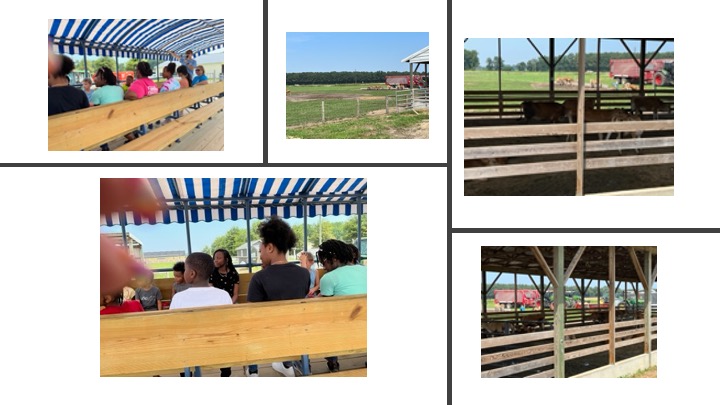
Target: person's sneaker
(248, 373)
(280, 368)
(333, 366)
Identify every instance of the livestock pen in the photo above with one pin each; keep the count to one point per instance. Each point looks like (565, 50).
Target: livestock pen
(561, 342)
(506, 155)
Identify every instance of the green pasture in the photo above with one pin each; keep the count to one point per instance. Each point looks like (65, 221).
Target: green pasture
(488, 80)
(365, 127)
(303, 112)
(354, 88)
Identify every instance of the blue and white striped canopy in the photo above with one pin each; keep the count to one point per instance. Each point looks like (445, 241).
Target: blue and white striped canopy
(210, 200)
(136, 38)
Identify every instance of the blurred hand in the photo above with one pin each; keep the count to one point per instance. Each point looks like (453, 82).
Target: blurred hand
(117, 267)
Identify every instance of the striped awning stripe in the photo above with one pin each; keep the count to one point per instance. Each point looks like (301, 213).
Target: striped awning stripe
(135, 38)
(207, 200)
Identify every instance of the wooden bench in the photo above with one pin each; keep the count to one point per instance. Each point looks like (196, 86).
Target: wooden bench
(256, 333)
(165, 285)
(167, 134)
(91, 127)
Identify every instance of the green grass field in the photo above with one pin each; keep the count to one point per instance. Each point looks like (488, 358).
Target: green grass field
(367, 127)
(303, 112)
(487, 80)
(356, 89)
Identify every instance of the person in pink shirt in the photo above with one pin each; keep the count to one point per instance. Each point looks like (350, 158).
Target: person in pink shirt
(142, 86)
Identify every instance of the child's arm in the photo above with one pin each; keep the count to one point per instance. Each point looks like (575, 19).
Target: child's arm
(236, 290)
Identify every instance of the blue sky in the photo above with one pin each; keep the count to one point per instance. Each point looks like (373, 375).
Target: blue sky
(516, 50)
(162, 237)
(351, 51)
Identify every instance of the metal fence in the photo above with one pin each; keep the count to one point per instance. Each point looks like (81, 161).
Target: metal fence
(321, 111)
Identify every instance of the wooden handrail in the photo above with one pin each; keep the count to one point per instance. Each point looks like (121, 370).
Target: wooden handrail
(151, 342)
(90, 127)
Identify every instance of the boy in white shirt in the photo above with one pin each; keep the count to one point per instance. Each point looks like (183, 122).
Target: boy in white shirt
(198, 267)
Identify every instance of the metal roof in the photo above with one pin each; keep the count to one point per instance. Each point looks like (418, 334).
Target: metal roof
(135, 38)
(593, 262)
(207, 200)
(421, 56)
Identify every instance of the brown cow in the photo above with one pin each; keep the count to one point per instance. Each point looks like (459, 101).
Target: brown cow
(571, 106)
(648, 103)
(542, 110)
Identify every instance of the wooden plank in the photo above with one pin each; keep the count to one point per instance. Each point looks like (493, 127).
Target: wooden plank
(232, 334)
(543, 264)
(166, 135)
(624, 324)
(565, 166)
(655, 191)
(585, 329)
(636, 265)
(629, 342)
(573, 263)
(543, 374)
(585, 340)
(555, 148)
(517, 368)
(515, 353)
(585, 352)
(209, 137)
(90, 127)
(515, 339)
(517, 131)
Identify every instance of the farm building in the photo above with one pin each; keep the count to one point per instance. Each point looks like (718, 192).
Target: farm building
(514, 138)
(134, 245)
(171, 256)
(579, 339)
(420, 97)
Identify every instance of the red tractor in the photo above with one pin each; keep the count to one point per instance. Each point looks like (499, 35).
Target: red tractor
(403, 82)
(527, 298)
(661, 72)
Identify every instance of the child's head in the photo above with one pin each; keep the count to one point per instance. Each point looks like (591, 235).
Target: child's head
(87, 83)
(221, 258)
(144, 278)
(198, 267)
(277, 238)
(179, 272)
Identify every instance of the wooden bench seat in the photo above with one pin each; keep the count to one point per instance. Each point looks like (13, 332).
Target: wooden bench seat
(89, 128)
(166, 135)
(255, 333)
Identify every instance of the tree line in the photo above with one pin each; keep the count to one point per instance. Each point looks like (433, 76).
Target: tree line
(345, 231)
(338, 77)
(569, 63)
(106, 61)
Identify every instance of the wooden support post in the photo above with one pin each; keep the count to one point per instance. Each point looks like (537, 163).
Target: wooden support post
(542, 297)
(648, 307)
(573, 263)
(515, 308)
(322, 110)
(611, 304)
(582, 298)
(559, 321)
(357, 110)
(579, 182)
(387, 104)
(483, 290)
(636, 265)
(543, 264)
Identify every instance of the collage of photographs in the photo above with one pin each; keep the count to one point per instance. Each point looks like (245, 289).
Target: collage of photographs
(237, 246)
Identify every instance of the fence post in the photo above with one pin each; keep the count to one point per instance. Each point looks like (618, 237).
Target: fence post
(397, 107)
(357, 112)
(322, 110)
(387, 104)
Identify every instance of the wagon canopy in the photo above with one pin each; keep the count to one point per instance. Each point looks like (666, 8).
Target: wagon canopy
(206, 200)
(135, 38)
